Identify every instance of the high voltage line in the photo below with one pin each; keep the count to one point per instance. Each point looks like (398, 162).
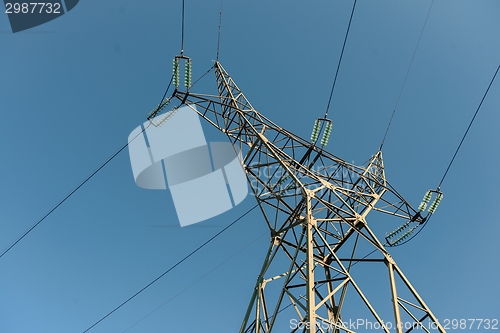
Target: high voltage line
(171, 268)
(247, 212)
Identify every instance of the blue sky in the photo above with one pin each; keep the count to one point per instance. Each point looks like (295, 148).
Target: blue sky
(73, 89)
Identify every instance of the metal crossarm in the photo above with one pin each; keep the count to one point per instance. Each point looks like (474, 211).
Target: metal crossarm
(315, 205)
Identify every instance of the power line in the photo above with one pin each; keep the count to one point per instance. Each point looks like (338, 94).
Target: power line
(171, 268)
(166, 90)
(467, 131)
(406, 76)
(78, 187)
(195, 282)
(201, 77)
(454, 155)
(182, 29)
(68, 195)
(218, 32)
(340, 59)
(81, 184)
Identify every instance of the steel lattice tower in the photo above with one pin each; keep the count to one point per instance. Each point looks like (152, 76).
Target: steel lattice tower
(315, 205)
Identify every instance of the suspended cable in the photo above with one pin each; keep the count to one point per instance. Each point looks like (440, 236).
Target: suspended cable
(320, 122)
(195, 282)
(67, 196)
(218, 33)
(387, 129)
(182, 30)
(468, 128)
(166, 91)
(171, 268)
(163, 103)
(79, 186)
(201, 77)
(406, 76)
(340, 59)
(439, 197)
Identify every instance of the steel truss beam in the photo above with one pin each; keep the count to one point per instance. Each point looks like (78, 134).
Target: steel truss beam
(315, 205)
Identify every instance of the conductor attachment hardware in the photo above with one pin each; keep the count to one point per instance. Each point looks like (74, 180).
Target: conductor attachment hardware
(176, 65)
(318, 126)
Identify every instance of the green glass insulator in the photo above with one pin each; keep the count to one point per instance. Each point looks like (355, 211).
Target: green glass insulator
(175, 74)
(315, 131)
(427, 197)
(187, 74)
(326, 134)
(435, 203)
(422, 206)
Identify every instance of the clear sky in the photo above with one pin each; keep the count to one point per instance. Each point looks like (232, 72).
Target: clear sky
(74, 88)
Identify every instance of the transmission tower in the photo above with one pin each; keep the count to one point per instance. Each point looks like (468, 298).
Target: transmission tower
(315, 205)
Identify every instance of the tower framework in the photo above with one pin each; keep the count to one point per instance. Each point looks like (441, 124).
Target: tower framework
(315, 206)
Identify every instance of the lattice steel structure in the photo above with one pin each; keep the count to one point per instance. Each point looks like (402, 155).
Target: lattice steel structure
(315, 205)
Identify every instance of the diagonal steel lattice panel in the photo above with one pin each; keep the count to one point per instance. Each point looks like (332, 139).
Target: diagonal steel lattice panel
(315, 205)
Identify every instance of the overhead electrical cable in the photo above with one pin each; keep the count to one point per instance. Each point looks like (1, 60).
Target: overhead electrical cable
(195, 282)
(201, 77)
(77, 187)
(320, 123)
(182, 30)
(170, 269)
(166, 90)
(455, 154)
(468, 128)
(406, 76)
(340, 59)
(68, 195)
(218, 32)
